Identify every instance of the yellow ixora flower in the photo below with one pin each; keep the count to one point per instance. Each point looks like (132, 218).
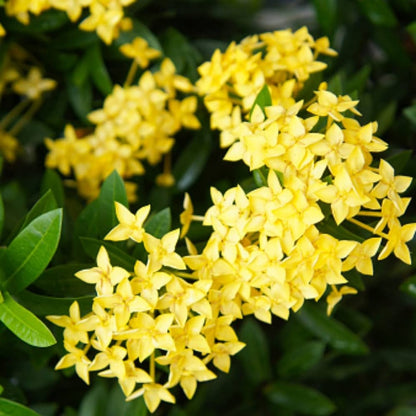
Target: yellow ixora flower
(140, 51)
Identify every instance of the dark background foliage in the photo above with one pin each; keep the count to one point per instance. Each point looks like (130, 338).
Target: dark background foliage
(362, 360)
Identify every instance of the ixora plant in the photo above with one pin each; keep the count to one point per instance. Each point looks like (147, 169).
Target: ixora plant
(320, 206)
(160, 303)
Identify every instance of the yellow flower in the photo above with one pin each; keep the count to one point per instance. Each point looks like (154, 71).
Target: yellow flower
(140, 51)
(105, 276)
(130, 225)
(153, 394)
(34, 85)
(336, 295)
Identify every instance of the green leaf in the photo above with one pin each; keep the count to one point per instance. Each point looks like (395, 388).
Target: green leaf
(61, 281)
(74, 38)
(159, 224)
(356, 82)
(256, 355)
(192, 160)
(330, 330)
(263, 99)
(386, 116)
(411, 29)
(409, 286)
(10, 408)
(297, 361)
(184, 56)
(326, 13)
(48, 305)
(403, 411)
(98, 70)
(1, 215)
(410, 113)
(51, 180)
(138, 30)
(299, 398)
(45, 204)
(112, 190)
(117, 256)
(24, 324)
(86, 223)
(378, 12)
(31, 251)
(400, 160)
(260, 176)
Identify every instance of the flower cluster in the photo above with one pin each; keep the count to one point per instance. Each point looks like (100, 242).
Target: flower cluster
(105, 17)
(157, 314)
(318, 161)
(19, 77)
(283, 60)
(136, 123)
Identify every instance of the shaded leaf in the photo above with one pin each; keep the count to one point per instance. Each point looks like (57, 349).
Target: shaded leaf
(51, 180)
(330, 330)
(118, 257)
(98, 70)
(299, 398)
(298, 360)
(24, 324)
(192, 160)
(409, 286)
(10, 408)
(112, 190)
(31, 251)
(48, 305)
(159, 224)
(326, 12)
(256, 355)
(378, 12)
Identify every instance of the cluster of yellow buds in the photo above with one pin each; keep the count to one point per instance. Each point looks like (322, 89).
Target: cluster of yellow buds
(136, 123)
(105, 17)
(18, 77)
(157, 314)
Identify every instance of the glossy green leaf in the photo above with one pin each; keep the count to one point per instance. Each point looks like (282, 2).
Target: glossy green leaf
(112, 190)
(192, 160)
(298, 360)
(48, 305)
(24, 324)
(11, 408)
(263, 99)
(256, 355)
(117, 256)
(31, 250)
(409, 286)
(330, 330)
(159, 224)
(45, 204)
(51, 180)
(98, 70)
(378, 12)
(326, 12)
(299, 398)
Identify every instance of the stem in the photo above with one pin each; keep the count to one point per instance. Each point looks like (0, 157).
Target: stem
(185, 275)
(370, 214)
(131, 74)
(25, 117)
(14, 112)
(198, 217)
(368, 228)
